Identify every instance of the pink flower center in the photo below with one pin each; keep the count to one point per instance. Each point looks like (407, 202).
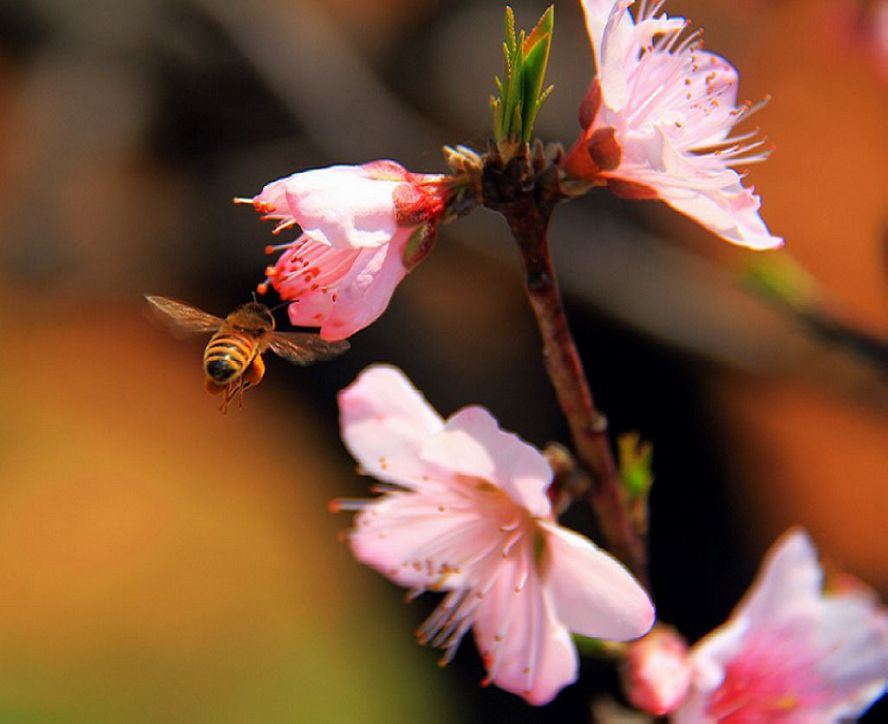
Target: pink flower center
(308, 268)
(492, 542)
(772, 678)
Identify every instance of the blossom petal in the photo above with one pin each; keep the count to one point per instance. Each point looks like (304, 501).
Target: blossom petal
(526, 649)
(596, 13)
(789, 580)
(621, 43)
(700, 187)
(854, 631)
(310, 310)
(473, 444)
(384, 422)
(790, 577)
(365, 291)
(416, 541)
(594, 594)
(342, 206)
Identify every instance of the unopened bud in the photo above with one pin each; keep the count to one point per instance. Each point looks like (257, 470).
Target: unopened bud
(657, 672)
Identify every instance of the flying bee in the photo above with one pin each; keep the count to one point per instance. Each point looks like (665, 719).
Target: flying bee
(232, 359)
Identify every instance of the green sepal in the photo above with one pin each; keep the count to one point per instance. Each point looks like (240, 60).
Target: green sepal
(614, 651)
(588, 646)
(419, 245)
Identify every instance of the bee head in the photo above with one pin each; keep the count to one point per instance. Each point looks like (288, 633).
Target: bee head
(253, 316)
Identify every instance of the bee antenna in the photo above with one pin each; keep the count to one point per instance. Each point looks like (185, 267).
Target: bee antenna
(255, 301)
(280, 305)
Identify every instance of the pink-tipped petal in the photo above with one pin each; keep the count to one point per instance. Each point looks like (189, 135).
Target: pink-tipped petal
(384, 422)
(473, 444)
(712, 208)
(271, 202)
(594, 594)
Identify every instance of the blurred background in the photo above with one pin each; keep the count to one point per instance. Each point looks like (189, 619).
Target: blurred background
(160, 561)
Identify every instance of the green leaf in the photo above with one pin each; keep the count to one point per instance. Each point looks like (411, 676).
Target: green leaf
(536, 59)
(509, 30)
(520, 92)
(588, 646)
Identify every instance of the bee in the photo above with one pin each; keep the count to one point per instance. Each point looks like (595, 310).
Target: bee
(232, 359)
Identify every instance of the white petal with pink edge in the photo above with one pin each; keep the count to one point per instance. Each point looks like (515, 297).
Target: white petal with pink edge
(593, 593)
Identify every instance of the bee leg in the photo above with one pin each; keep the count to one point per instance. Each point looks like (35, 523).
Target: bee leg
(239, 391)
(232, 390)
(255, 372)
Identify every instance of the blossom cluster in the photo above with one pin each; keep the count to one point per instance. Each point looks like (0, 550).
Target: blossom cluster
(464, 507)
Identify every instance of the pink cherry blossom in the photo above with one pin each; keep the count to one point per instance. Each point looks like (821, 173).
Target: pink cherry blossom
(790, 651)
(363, 229)
(464, 510)
(658, 118)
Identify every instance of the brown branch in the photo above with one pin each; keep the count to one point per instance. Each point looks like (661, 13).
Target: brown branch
(526, 197)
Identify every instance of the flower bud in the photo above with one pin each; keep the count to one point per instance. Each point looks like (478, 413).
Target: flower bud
(657, 672)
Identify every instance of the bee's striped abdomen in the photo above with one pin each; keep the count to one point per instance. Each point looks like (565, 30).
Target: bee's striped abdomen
(228, 355)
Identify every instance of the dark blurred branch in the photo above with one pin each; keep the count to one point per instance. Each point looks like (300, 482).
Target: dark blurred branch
(323, 81)
(862, 344)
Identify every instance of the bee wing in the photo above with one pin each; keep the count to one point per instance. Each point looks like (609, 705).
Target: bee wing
(182, 315)
(303, 348)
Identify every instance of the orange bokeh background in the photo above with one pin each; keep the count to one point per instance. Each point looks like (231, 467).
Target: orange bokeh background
(160, 561)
